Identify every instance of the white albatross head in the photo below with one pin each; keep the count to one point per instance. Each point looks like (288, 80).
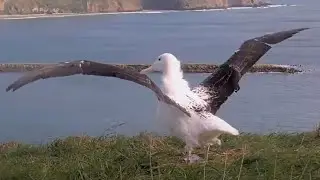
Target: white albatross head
(165, 63)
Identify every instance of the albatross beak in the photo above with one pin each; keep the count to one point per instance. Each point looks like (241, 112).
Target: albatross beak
(147, 70)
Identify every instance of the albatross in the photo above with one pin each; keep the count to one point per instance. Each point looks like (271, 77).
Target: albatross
(188, 112)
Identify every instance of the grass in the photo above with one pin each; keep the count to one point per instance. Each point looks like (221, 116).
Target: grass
(249, 156)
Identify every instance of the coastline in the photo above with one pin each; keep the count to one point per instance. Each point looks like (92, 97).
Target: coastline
(60, 15)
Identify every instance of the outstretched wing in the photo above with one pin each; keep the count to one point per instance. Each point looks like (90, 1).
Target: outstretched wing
(224, 80)
(97, 69)
(50, 71)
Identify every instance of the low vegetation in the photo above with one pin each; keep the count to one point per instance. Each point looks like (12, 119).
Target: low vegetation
(146, 156)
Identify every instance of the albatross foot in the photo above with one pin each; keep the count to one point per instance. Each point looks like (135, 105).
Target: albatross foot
(193, 158)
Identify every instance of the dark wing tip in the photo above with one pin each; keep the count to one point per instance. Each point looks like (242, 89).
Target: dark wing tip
(56, 70)
(9, 88)
(19, 83)
(14, 86)
(275, 38)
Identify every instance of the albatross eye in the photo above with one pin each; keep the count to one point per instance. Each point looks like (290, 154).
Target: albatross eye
(159, 59)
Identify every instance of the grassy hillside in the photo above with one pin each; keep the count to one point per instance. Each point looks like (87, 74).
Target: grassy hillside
(249, 156)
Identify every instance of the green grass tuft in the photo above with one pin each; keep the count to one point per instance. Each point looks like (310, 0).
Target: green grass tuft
(249, 156)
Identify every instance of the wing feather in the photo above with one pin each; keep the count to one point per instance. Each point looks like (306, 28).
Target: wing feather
(224, 80)
(96, 69)
(50, 71)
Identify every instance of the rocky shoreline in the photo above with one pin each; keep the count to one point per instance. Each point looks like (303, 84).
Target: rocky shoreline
(50, 7)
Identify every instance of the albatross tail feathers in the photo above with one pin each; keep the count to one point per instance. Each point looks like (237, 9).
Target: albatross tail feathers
(218, 124)
(234, 131)
(230, 130)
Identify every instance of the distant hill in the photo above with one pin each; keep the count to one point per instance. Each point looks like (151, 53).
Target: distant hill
(94, 6)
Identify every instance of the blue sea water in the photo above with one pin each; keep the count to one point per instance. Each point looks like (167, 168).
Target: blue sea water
(90, 105)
